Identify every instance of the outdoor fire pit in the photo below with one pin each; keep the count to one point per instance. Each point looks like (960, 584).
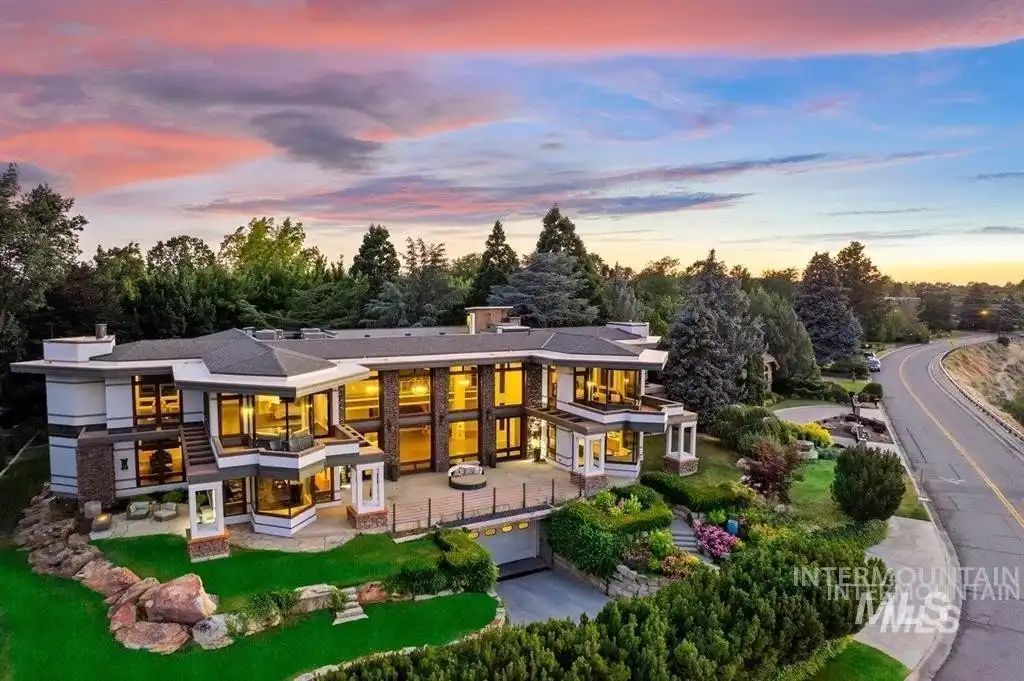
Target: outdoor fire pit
(466, 477)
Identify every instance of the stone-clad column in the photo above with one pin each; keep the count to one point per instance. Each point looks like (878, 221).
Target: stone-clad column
(485, 378)
(439, 417)
(534, 375)
(95, 465)
(389, 422)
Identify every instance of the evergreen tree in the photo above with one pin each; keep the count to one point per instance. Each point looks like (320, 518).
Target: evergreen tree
(821, 305)
(714, 344)
(496, 264)
(781, 282)
(976, 309)
(623, 304)
(549, 291)
(865, 287)
(558, 235)
(785, 335)
(936, 309)
(377, 260)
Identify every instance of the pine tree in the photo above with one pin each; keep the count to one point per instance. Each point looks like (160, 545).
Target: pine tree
(865, 287)
(784, 334)
(558, 235)
(549, 291)
(714, 344)
(821, 305)
(377, 259)
(496, 264)
(623, 305)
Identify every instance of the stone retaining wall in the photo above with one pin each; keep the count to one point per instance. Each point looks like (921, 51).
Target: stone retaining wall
(624, 582)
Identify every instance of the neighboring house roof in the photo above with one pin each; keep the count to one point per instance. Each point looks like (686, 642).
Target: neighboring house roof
(250, 357)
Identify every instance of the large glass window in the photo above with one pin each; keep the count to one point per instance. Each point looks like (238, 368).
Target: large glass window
(234, 497)
(623, 446)
(283, 423)
(284, 498)
(414, 449)
(552, 436)
(159, 463)
(230, 415)
(508, 384)
(414, 391)
(463, 441)
(323, 485)
(607, 387)
(462, 389)
(362, 399)
(508, 438)
(552, 387)
(156, 401)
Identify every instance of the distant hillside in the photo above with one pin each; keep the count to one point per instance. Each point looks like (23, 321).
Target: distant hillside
(995, 372)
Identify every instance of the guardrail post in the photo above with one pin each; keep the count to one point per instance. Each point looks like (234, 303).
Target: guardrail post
(494, 500)
(463, 506)
(552, 491)
(429, 512)
(394, 517)
(524, 495)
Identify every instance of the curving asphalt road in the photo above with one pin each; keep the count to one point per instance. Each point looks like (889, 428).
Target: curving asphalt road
(974, 477)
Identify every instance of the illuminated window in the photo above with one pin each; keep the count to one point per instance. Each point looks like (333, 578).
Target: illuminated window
(508, 384)
(552, 387)
(463, 393)
(623, 446)
(159, 463)
(283, 423)
(234, 497)
(362, 399)
(414, 391)
(607, 387)
(156, 401)
(231, 411)
(323, 485)
(552, 435)
(463, 441)
(284, 498)
(508, 438)
(414, 448)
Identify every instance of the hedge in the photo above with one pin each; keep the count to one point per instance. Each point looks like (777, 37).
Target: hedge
(752, 620)
(464, 565)
(593, 540)
(702, 498)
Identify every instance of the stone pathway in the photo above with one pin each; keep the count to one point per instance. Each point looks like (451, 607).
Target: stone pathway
(243, 536)
(351, 610)
(683, 536)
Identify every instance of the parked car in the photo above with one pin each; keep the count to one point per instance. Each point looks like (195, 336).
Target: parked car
(874, 364)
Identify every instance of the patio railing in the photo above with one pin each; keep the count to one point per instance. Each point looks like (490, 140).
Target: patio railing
(460, 507)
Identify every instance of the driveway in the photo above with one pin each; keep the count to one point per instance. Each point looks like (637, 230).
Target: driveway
(552, 594)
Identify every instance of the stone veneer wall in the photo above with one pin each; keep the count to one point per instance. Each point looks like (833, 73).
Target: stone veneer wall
(624, 582)
(534, 375)
(208, 548)
(485, 379)
(96, 474)
(682, 466)
(439, 417)
(389, 422)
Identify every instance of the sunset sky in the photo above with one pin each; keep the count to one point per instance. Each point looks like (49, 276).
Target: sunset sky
(767, 130)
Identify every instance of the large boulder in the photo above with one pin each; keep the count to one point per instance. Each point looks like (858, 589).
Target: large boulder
(156, 637)
(109, 580)
(134, 593)
(314, 597)
(372, 592)
(213, 632)
(122, 616)
(181, 600)
(45, 532)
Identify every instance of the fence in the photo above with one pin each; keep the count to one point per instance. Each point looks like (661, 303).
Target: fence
(460, 507)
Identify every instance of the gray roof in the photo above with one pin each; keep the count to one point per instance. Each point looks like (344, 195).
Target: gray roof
(172, 348)
(250, 357)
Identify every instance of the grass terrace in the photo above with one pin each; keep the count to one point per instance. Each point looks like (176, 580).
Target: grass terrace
(859, 662)
(365, 558)
(53, 628)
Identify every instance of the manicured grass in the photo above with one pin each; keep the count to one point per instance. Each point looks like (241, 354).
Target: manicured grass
(849, 384)
(58, 630)
(22, 482)
(716, 464)
(862, 663)
(812, 496)
(366, 558)
(796, 402)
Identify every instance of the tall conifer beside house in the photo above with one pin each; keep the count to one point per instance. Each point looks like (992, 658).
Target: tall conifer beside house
(825, 312)
(498, 261)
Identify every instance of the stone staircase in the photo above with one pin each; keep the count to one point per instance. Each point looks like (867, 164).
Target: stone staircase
(683, 536)
(197, 446)
(350, 609)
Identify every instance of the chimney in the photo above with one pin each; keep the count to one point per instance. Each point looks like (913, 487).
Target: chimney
(101, 331)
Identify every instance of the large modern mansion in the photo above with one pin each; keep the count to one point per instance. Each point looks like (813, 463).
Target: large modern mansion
(265, 427)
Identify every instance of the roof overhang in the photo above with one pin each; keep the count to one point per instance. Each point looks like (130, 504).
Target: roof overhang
(195, 375)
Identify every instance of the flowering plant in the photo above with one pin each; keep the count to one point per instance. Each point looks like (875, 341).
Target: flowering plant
(715, 541)
(679, 565)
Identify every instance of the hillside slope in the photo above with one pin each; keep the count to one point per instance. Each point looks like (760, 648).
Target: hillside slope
(994, 372)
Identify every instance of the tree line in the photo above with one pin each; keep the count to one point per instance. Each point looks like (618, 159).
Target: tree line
(266, 274)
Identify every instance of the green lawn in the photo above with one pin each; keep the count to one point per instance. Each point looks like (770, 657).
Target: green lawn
(21, 483)
(862, 663)
(799, 402)
(812, 496)
(367, 557)
(849, 384)
(57, 629)
(715, 463)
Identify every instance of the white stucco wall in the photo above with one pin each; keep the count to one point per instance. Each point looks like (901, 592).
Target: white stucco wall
(75, 401)
(119, 402)
(63, 465)
(192, 405)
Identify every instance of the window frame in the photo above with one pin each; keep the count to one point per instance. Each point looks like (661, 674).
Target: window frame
(501, 372)
(157, 419)
(510, 453)
(173, 477)
(463, 370)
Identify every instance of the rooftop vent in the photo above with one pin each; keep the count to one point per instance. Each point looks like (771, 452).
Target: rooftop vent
(268, 334)
(101, 331)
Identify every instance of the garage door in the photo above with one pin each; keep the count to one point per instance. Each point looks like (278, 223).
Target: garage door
(510, 542)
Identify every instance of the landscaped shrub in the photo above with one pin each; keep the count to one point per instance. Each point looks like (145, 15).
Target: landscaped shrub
(660, 543)
(679, 490)
(645, 495)
(868, 483)
(714, 541)
(770, 472)
(813, 389)
(420, 576)
(860, 535)
(1003, 340)
(873, 390)
(854, 365)
(175, 496)
(813, 432)
(717, 517)
(831, 452)
(465, 563)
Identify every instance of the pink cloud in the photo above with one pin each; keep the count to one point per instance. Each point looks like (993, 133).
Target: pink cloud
(107, 30)
(101, 155)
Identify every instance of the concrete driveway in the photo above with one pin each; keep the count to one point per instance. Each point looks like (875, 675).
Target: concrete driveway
(552, 594)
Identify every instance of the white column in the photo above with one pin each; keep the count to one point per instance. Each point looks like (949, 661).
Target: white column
(335, 416)
(213, 422)
(365, 502)
(681, 446)
(693, 440)
(201, 523)
(356, 487)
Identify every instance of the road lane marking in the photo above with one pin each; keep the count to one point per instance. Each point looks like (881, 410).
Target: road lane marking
(949, 436)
